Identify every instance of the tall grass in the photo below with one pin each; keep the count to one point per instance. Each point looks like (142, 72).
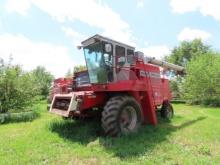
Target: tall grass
(18, 117)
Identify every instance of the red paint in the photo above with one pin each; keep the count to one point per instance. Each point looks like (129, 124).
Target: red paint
(60, 86)
(150, 89)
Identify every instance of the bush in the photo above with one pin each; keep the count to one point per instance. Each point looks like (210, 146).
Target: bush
(17, 88)
(18, 117)
(176, 87)
(43, 80)
(202, 83)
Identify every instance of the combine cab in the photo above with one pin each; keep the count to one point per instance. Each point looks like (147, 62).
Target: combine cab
(124, 85)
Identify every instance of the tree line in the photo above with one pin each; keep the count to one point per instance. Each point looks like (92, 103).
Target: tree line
(201, 83)
(19, 89)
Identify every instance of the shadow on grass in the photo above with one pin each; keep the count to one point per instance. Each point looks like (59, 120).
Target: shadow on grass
(144, 141)
(18, 117)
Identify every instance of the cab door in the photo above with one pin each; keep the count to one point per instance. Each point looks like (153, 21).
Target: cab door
(120, 57)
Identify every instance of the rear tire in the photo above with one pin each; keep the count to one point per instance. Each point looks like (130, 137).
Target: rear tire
(167, 111)
(121, 116)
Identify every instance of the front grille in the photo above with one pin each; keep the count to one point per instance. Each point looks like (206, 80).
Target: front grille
(62, 103)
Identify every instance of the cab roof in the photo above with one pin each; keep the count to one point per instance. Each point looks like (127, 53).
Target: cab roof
(98, 37)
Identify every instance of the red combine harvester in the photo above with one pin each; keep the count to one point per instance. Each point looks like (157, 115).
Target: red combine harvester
(126, 86)
(60, 86)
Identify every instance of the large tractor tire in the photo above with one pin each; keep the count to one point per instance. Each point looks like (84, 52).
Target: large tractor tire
(167, 111)
(121, 116)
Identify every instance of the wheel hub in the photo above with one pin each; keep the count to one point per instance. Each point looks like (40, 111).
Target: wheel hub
(169, 113)
(128, 119)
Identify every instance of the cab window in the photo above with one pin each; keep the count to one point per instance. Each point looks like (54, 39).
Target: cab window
(120, 55)
(130, 55)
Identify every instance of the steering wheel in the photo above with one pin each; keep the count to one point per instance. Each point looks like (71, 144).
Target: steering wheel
(109, 63)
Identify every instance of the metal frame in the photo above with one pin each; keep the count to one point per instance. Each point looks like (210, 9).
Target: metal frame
(101, 38)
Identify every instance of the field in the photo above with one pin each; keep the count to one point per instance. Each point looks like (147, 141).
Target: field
(193, 137)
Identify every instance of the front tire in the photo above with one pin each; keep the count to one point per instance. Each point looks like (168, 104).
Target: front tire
(167, 111)
(121, 116)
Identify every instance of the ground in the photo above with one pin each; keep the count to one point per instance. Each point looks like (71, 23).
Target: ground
(192, 137)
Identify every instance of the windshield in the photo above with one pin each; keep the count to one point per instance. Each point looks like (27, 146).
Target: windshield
(99, 63)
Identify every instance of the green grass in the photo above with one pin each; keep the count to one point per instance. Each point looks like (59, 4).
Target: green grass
(193, 137)
(18, 117)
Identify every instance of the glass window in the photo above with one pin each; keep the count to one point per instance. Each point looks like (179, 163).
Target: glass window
(108, 61)
(107, 56)
(130, 55)
(99, 63)
(120, 55)
(93, 59)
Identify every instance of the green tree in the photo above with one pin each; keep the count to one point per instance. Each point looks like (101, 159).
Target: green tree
(42, 79)
(79, 68)
(17, 88)
(176, 86)
(183, 53)
(202, 85)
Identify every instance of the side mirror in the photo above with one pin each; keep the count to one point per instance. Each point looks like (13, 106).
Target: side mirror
(79, 47)
(108, 48)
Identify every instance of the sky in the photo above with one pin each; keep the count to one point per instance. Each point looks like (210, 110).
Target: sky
(46, 32)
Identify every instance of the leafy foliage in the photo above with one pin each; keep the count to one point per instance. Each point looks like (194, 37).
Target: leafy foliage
(79, 68)
(17, 87)
(183, 53)
(202, 81)
(200, 85)
(42, 79)
(176, 87)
